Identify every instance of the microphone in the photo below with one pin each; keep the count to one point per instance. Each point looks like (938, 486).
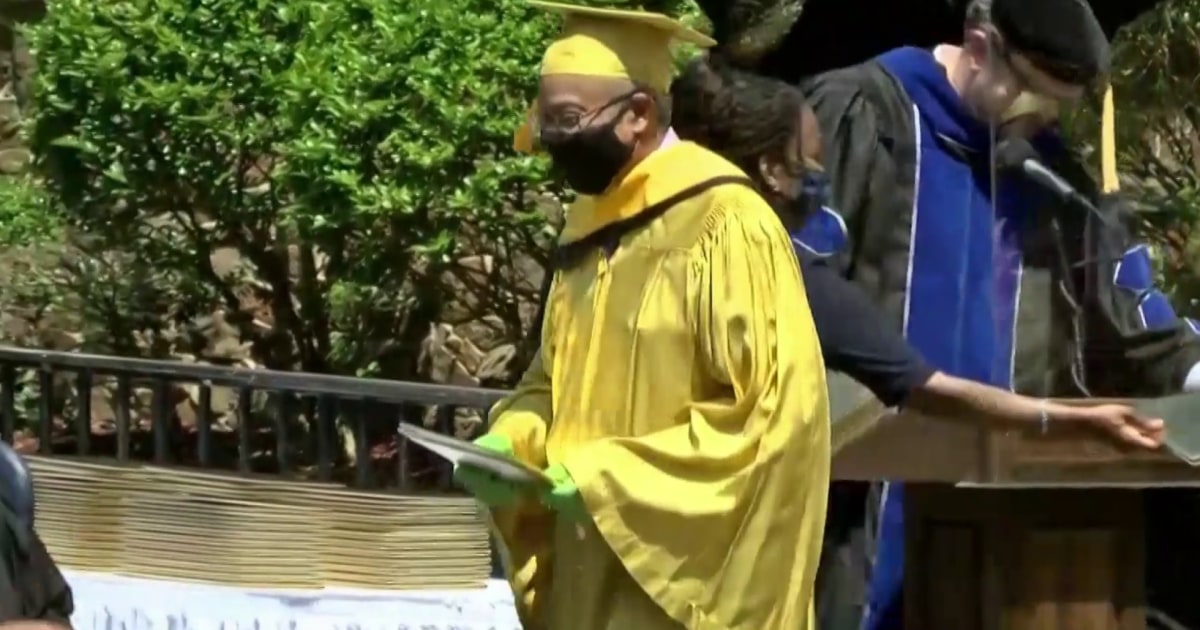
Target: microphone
(1018, 153)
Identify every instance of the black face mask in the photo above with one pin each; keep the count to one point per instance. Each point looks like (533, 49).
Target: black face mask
(814, 192)
(808, 195)
(590, 157)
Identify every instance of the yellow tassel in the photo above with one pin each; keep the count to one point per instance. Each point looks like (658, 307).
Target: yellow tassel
(1108, 144)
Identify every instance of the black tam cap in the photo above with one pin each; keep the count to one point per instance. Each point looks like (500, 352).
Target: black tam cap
(1062, 38)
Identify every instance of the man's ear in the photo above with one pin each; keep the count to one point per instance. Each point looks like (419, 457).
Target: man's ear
(766, 171)
(644, 111)
(977, 45)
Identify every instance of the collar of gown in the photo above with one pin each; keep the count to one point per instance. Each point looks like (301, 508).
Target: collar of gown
(647, 183)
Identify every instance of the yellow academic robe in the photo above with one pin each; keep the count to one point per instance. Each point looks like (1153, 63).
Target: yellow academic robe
(680, 383)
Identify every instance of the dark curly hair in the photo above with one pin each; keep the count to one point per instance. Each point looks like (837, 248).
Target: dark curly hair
(738, 114)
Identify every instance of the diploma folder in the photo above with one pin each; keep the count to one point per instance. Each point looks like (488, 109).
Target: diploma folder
(1181, 416)
(460, 452)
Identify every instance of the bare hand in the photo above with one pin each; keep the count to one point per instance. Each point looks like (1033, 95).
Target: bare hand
(1124, 424)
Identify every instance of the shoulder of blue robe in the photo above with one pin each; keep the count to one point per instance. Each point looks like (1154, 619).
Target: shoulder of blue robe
(823, 234)
(1134, 274)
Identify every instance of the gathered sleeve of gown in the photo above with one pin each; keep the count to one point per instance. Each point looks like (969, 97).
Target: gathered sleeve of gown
(524, 417)
(745, 465)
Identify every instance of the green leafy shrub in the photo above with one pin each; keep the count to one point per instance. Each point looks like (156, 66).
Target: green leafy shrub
(343, 154)
(26, 218)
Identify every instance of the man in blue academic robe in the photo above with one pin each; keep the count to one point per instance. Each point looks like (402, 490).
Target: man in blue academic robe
(990, 277)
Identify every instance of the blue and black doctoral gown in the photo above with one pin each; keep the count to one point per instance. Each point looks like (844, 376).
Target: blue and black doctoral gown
(971, 273)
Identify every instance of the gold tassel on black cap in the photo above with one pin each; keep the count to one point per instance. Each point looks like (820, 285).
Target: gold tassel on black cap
(1110, 180)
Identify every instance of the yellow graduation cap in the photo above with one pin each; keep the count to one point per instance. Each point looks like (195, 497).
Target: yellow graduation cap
(634, 45)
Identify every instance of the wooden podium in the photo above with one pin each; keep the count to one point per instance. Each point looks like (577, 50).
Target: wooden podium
(1011, 530)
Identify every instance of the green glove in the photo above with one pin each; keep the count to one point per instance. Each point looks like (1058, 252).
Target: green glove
(564, 497)
(485, 486)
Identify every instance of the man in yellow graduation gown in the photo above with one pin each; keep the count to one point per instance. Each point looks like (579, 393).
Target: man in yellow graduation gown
(678, 400)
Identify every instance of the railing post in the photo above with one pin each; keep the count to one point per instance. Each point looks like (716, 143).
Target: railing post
(403, 466)
(83, 428)
(283, 418)
(8, 402)
(204, 426)
(160, 420)
(362, 450)
(445, 426)
(326, 429)
(45, 410)
(124, 394)
(243, 430)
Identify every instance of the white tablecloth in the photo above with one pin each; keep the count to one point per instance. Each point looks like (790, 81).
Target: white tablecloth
(106, 602)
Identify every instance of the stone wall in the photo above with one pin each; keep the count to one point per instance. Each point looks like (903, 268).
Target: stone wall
(16, 69)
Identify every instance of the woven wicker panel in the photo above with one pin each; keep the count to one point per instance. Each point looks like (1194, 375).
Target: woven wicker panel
(80, 513)
(254, 532)
(397, 541)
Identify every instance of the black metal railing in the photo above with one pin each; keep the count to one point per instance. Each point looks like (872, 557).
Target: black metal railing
(297, 430)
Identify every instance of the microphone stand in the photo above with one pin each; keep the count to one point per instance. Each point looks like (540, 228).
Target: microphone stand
(1068, 196)
(1070, 294)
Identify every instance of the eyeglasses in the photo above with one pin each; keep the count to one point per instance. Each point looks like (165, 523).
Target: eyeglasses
(571, 120)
